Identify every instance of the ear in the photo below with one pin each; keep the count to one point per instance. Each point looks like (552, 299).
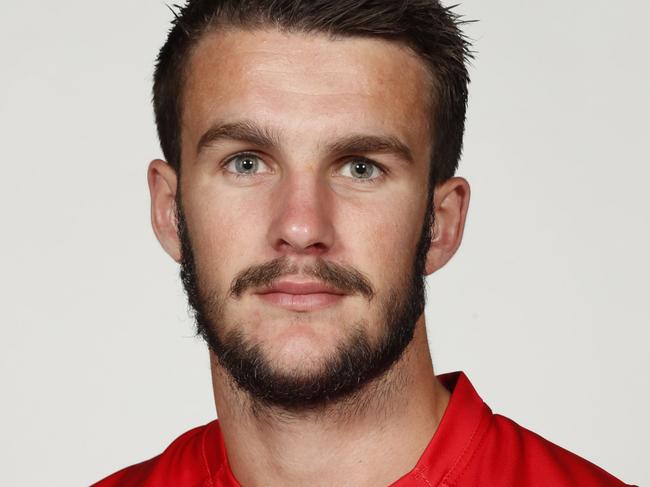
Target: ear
(163, 183)
(451, 202)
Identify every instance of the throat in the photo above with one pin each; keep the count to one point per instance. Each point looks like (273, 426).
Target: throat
(371, 437)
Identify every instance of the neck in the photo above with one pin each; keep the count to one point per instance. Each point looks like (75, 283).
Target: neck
(372, 437)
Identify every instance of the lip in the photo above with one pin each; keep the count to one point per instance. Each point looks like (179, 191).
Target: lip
(297, 287)
(301, 296)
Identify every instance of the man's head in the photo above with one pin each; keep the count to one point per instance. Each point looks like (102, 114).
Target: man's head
(424, 26)
(304, 141)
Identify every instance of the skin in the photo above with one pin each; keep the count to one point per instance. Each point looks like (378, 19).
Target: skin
(304, 202)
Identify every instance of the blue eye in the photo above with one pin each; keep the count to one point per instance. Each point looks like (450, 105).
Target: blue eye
(362, 169)
(245, 165)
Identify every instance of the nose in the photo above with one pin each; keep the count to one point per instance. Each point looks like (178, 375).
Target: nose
(301, 222)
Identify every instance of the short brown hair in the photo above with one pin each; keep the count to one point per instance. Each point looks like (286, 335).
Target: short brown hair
(429, 29)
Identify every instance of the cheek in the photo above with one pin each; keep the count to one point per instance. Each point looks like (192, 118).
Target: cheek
(225, 234)
(383, 240)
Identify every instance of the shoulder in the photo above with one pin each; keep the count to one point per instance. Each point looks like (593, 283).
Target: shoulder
(478, 447)
(518, 456)
(182, 463)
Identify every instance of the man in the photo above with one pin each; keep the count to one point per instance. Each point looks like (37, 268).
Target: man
(309, 188)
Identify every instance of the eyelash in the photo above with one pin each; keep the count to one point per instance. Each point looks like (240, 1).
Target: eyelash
(237, 175)
(375, 180)
(365, 160)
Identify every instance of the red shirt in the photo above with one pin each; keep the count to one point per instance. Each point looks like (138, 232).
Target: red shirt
(471, 447)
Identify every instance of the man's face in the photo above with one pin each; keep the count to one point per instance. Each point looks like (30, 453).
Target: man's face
(305, 163)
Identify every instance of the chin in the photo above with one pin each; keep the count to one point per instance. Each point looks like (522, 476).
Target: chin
(300, 348)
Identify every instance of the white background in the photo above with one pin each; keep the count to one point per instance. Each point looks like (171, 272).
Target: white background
(545, 306)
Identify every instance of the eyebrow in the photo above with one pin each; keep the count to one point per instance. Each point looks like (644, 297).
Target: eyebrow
(244, 131)
(265, 137)
(363, 144)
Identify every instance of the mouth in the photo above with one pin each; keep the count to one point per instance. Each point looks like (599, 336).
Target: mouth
(301, 296)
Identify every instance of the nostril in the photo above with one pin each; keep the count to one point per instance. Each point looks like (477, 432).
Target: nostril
(316, 248)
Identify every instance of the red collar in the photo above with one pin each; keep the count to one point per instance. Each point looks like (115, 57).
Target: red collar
(463, 424)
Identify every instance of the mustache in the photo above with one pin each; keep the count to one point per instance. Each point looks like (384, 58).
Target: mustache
(344, 278)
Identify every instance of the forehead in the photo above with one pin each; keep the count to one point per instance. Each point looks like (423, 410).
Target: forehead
(306, 84)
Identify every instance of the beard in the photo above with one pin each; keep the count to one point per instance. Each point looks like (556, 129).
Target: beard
(355, 362)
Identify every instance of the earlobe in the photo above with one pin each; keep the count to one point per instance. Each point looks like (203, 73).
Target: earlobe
(163, 181)
(451, 202)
